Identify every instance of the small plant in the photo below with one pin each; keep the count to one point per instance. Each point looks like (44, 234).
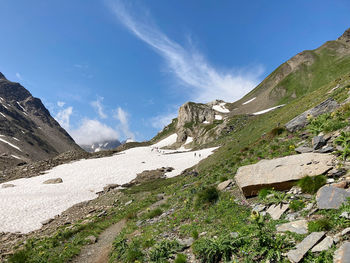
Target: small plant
(19, 257)
(163, 250)
(207, 196)
(154, 213)
(323, 224)
(180, 258)
(263, 193)
(296, 205)
(310, 185)
(195, 234)
(131, 215)
(344, 141)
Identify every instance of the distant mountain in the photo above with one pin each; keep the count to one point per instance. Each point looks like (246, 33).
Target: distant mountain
(27, 130)
(101, 146)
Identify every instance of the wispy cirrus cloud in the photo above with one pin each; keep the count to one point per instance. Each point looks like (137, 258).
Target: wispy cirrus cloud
(98, 106)
(190, 67)
(123, 117)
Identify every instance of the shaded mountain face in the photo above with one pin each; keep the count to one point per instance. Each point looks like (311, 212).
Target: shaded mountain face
(303, 73)
(101, 146)
(27, 130)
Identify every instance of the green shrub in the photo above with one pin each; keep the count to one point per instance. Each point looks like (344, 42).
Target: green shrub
(263, 193)
(296, 205)
(223, 178)
(19, 257)
(323, 224)
(312, 184)
(154, 213)
(214, 250)
(276, 131)
(163, 250)
(180, 258)
(128, 252)
(195, 234)
(344, 141)
(207, 196)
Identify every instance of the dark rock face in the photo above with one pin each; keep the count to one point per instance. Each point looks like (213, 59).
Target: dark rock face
(27, 130)
(302, 120)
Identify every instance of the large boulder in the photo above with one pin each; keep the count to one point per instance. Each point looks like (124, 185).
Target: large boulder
(302, 120)
(281, 173)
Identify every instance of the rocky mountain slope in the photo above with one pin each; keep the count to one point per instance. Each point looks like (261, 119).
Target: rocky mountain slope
(275, 190)
(27, 130)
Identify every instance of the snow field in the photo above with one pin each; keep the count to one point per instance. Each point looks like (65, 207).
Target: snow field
(30, 202)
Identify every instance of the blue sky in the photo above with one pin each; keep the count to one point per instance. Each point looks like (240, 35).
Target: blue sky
(117, 68)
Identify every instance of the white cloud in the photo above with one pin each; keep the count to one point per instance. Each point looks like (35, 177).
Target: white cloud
(189, 66)
(60, 103)
(160, 121)
(123, 118)
(18, 75)
(97, 104)
(92, 131)
(63, 117)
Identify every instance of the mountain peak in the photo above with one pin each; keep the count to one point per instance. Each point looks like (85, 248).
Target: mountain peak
(346, 36)
(2, 76)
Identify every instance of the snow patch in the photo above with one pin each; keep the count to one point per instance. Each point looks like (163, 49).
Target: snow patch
(16, 157)
(221, 108)
(3, 115)
(267, 110)
(218, 117)
(15, 139)
(167, 141)
(249, 101)
(12, 145)
(23, 109)
(206, 122)
(23, 208)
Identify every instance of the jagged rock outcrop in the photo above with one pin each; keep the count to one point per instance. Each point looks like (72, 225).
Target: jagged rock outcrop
(27, 130)
(346, 36)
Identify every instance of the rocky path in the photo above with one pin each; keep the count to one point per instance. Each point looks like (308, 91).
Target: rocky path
(99, 251)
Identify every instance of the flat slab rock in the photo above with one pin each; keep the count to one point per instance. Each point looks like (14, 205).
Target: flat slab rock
(224, 185)
(325, 244)
(304, 246)
(281, 173)
(299, 227)
(331, 197)
(342, 255)
(276, 211)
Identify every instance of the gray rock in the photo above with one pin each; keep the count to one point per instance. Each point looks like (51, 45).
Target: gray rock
(276, 211)
(224, 184)
(281, 173)
(325, 244)
(345, 215)
(7, 185)
(342, 254)
(46, 222)
(303, 149)
(302, 120)
(304, 246)
(330, 197)
(91, 239)
(258, 208)
(327, 149)
(128, 203)
(299, 227)
(318, 142)
(53, 181)
(187, 242)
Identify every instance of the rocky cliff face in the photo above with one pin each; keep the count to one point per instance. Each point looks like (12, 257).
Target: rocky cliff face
(27, 130)
(346, 36)
(202, 122)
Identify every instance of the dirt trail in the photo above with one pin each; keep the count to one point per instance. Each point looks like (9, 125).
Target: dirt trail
(99, 251)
